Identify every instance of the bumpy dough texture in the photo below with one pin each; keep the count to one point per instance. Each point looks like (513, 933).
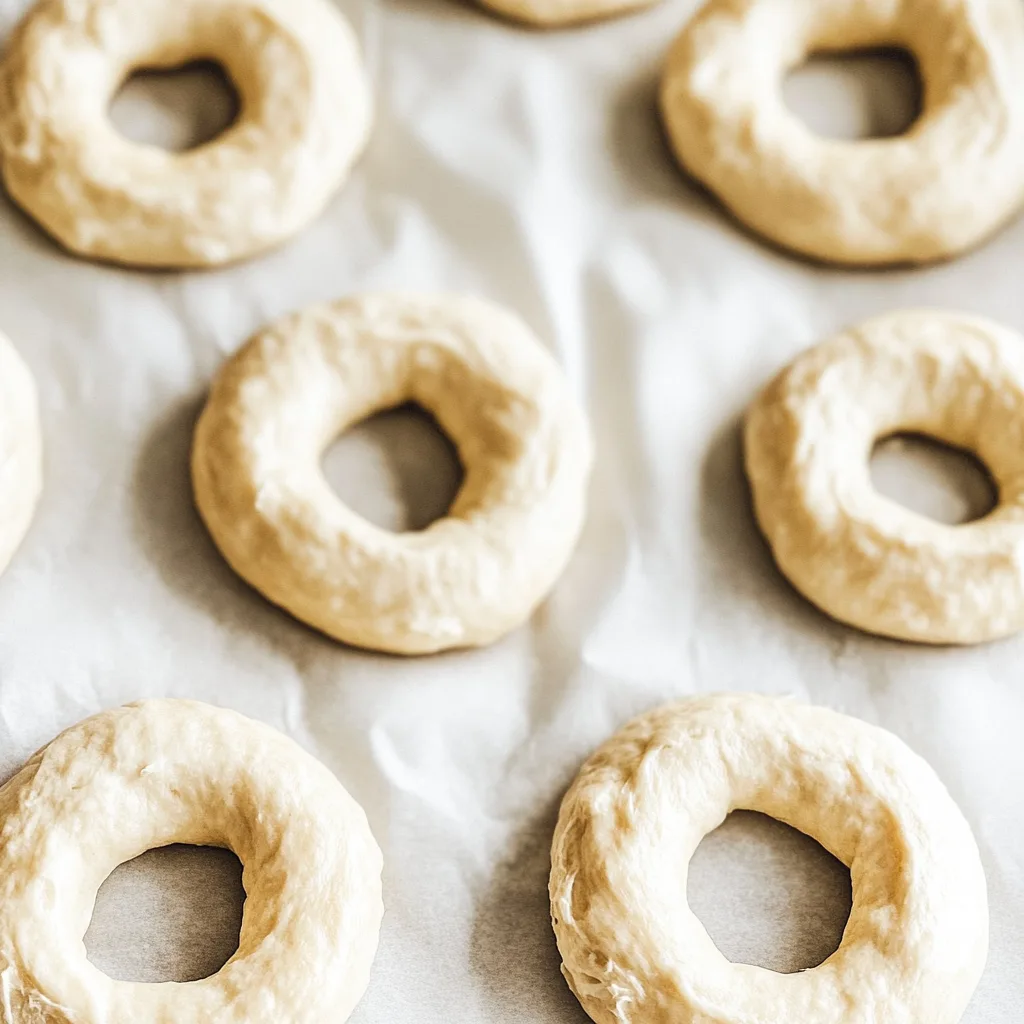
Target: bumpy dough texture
(21, 450)
(862, 558)
(304, 117)
(170, 771)
(940, 188)
(632, 949)
(559, 13)
(469, 577)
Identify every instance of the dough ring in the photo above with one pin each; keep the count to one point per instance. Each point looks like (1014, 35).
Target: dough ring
(176, 771)
(305, 115)
(860, 557)
(469, 577)
(21, 450)
(942, 187)
(917, 937)
(560, 13)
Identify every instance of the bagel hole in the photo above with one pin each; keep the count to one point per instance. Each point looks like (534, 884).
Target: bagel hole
(769, 895)
(177, 109)
(936, 480)
(171, 914)
(396, 469)
(870, 94)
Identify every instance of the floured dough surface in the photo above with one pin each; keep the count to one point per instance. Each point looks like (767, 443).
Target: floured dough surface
(632, 949)
(176, 771)
(859, 556)
(304, 117)
(946, 184)
(21, 450)
(520, 434)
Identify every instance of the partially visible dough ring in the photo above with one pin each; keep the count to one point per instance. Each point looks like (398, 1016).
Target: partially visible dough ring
(21, 450)
(304, 117)
(942, 187)
(561, 13)
(469, 577)
(176, 771)
(860, 557)
(632, 950)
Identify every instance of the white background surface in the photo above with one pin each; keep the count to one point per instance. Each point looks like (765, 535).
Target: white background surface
(529, 168)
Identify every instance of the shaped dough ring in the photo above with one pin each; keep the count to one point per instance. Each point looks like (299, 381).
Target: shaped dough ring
(860, 557)
(304, 116)
(521, 438)
(917, 937)
(559, 13)
(176, 771)
(951, 180)
(21, 450)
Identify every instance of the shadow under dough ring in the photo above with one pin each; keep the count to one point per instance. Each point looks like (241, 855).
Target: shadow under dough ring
(21, 450)
(632, 949)
(951, 180)
(176, 771)
(866, 560)
(304, 116)
(521, 437)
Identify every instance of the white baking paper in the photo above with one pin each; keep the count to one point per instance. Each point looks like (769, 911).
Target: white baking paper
(529, 168)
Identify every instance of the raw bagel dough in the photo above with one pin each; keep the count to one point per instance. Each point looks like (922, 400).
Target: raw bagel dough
(917, 938)
(21, 450)
(176, 771)
(942, 187)
(862, 558)
(305, 116)
(469, 577)
(559, 13)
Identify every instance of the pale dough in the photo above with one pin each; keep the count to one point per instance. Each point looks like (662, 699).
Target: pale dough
(176, 771)
(521, 437)
(21, 450)
(632, 949)
(942, 187)
(560, 13)
(862, 558)
(304, 117)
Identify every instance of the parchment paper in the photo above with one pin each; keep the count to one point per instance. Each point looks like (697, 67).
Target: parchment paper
(529, 168)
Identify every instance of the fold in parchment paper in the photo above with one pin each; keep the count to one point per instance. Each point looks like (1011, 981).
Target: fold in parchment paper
(530, 168)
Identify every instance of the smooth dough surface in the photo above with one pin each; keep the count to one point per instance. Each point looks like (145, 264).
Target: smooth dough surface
(859, 556)
(632, 950)
(521, 437)
(560, 13)
(21, 450)
(943, 186)
(304, 117)
(176, 771)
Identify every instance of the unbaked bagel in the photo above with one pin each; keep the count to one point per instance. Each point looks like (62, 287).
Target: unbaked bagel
(175, 771)
(862, 558)
(21, 450)
(559, 13)
(632, 950)
(304, 117)
(938, 189)
(469, 577)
